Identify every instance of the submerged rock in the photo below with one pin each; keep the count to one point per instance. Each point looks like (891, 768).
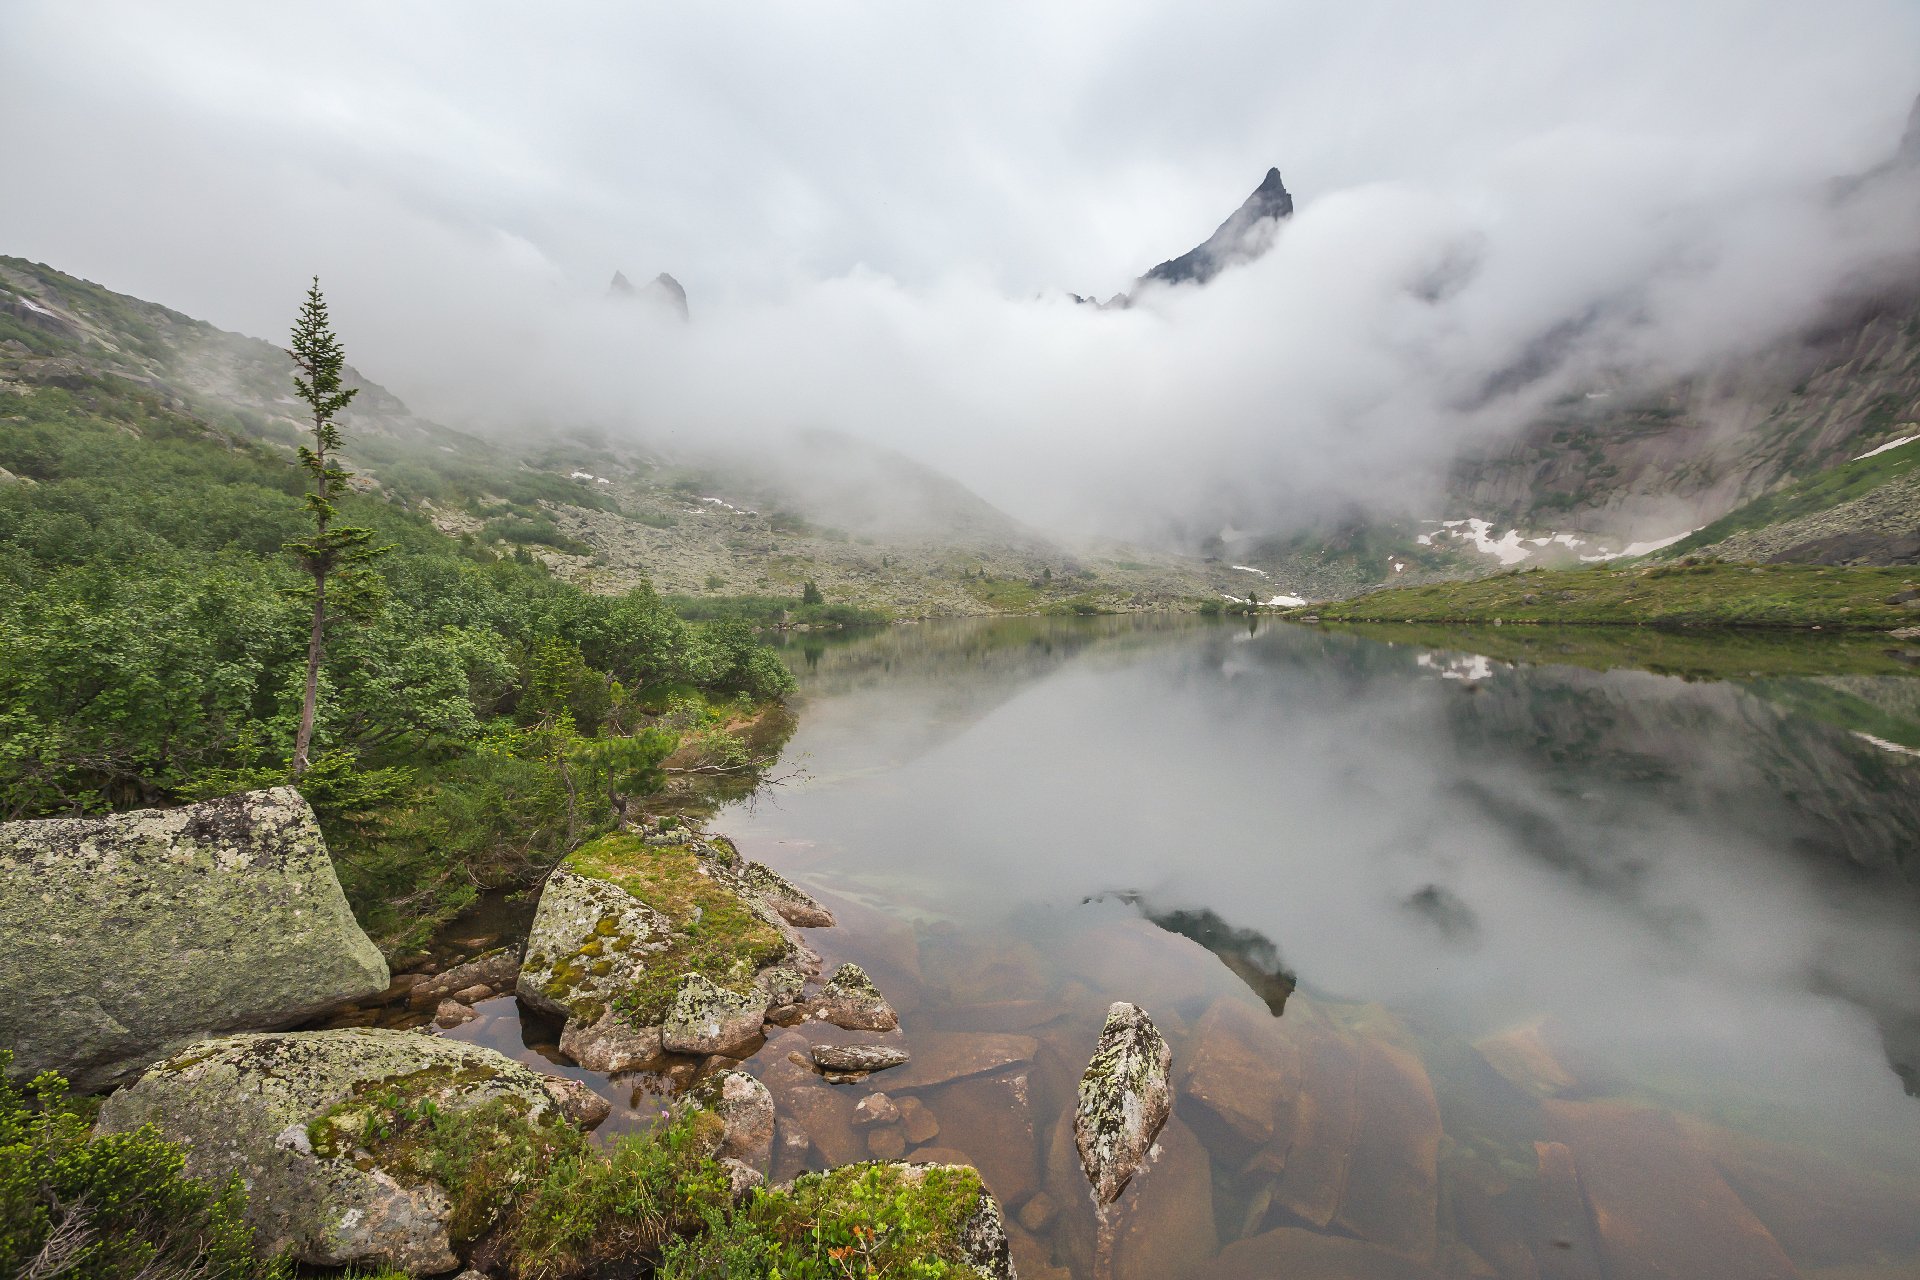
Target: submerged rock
(1123, 1100)
(850, 1000)
(124, 937)
(705, 1018)
(317, 1124)
(858, 1057)
(621, 925)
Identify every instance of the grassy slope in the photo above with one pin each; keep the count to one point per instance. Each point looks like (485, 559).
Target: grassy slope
(1681, 595)
(1816, 493)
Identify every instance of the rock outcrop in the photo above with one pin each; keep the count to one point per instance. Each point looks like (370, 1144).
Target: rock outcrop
(657, 943)
(317, 1125)
(124, 937)
(1124, 1100)
(852, 1001)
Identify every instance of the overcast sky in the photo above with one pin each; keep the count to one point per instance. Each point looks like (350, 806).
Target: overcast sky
(865, 201)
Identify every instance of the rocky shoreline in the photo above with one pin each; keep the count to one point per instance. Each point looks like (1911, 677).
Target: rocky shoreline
(661, 952)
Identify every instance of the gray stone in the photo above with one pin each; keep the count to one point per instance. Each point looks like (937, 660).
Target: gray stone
(124, 937)
(1123, 1100)
(705, 1018)
(452, 1013)
(746, 1108)
(610, 1045)
(281, 1111)
(582, 1107)
(795, 905)
(875, 1108)
(851, 1000)
(857, 1057)
(498, 970)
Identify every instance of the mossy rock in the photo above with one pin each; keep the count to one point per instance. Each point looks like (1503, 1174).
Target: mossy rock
(312, 1121)
(124, 937)
(624, 919)
(1124, 1100)
(934, 1214)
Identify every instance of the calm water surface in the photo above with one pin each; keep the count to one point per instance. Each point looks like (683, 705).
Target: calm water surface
(1469, 969)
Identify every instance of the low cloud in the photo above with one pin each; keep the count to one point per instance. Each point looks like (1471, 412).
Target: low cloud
(878, 219)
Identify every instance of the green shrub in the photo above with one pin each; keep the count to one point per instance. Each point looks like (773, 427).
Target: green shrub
(114, 1207)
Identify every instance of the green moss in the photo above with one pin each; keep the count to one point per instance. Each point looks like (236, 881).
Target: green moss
(713, 933)
(855, 1220)
(380, 1120)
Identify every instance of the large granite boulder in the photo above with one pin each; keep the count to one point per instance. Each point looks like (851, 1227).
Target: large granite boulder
(124, 937)
(1124, 1100)
(622, 925)
(327, 1128)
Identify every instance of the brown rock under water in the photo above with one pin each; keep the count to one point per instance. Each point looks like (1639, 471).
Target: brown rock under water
(1241, 1075)
(1566, 1249)
(1325, 1116)
(1525, 1060)
(1660, 1207)
(992, 1118)
(827, 1116)
(1392, 1186)
(1294, 1253)
(941, 1056)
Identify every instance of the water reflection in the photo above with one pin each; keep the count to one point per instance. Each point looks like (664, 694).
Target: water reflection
(1550, 924)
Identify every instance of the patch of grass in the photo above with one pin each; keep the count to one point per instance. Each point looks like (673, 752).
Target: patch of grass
(1709, 594)
(1828, 489)
(714, 934)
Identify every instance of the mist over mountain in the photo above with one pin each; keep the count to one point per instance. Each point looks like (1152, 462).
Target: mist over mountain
(1523, 221)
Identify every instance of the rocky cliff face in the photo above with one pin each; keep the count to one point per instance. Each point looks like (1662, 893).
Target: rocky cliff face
(124, 937)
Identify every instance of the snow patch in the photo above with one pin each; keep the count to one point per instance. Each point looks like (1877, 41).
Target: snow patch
(1883, 744)
(1506, 548)
(1285, 602)
(1463, 666)
(1247, 568)
(1891, 444)
(1639, 548)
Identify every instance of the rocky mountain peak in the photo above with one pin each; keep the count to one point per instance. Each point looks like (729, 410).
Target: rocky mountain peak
(663, 289)
(1241, 238)
(1910, 141)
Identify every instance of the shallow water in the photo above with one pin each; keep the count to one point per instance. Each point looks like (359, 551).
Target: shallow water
(1469, 969)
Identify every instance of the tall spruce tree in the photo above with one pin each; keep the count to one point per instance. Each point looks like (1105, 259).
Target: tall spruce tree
(336, 555)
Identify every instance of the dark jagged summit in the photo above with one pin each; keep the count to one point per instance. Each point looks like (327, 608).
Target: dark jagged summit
(662, 288)
(1234, 241)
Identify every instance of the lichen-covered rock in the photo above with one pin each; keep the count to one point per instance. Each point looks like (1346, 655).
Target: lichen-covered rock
(745, 1107)
(795, 905)
(611, 1045)
(851, 1000)
(303, 1117)
(626, 918)
(705, 1018)
(858, 1057)
(583, 1108)
(124, 937)
(1123, 1100)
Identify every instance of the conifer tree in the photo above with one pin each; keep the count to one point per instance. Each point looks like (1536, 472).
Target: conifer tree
(335, 555)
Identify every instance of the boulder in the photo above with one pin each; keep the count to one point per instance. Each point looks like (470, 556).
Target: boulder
(796, 906)
(858, 1057)
(746, 1109)
(940, 1056)
(886, 1142)
(991, 1117)
(921, 1124)
(625, 919)
(851, 1000)
(122, 938)
(611, 1045)
(705, 1018)
(582, 1107)
(1523, 1057)
(1392, 1188)
(1123, 1100)
(291, 1114)
(1658, 1204)
(876, 1108)
(1326, 1113)
(1241, 1074)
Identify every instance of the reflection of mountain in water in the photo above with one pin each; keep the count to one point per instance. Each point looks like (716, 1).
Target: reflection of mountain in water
(1775, 767)
(1250, 954)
